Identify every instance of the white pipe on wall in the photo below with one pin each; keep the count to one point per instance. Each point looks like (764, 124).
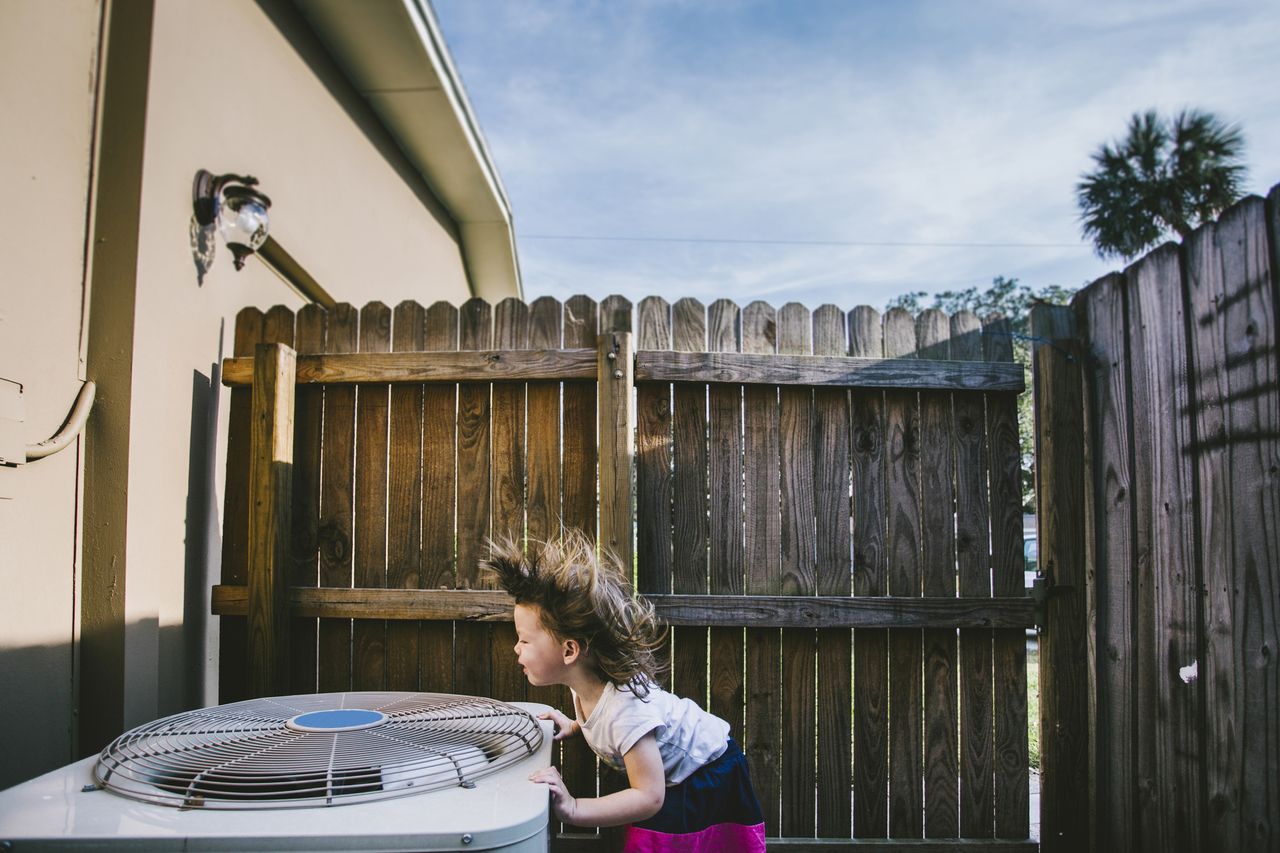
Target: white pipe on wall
(72, 428)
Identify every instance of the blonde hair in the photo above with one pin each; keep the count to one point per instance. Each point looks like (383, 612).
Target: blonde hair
(585, 596)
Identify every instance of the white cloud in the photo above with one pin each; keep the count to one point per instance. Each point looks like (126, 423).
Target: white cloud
(842, 122)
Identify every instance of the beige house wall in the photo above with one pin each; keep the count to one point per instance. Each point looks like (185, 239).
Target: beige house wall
(235, 86)
(47, 99)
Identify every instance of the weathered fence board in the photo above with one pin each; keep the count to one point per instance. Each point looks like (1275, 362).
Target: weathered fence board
(580, 506)
(369, 557)
(796, 463)
(1106, 321)
(973, 564)
(270, 524)
(1167, 584)
(337, 478)
(1009, 648)
(507, 485)
(439, 508)
(835, 652)
(764, 611)
(1248, 318)
(724, 467)
(938, 562)
(690, 531)
(870, 560)
(761, 546)
(309, 401)
(471, 667)
(404, 497)
(232, 638)
(902, 419)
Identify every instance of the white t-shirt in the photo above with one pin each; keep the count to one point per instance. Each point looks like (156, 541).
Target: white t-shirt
(688, 737)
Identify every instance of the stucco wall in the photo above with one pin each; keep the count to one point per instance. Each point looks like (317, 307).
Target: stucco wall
(47, 98)
(235, 86)
(231, 92)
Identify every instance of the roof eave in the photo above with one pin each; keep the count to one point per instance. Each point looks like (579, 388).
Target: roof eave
(395, 57)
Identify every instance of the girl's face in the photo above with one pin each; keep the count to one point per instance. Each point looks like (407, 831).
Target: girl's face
(538, 651)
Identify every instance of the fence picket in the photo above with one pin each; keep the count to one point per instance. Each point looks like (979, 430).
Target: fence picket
(581, 322)
(404, 497)
(308, 339)
(1161, 427)
(762, 548)
(1009, 646)
(471, 641)
(973, 562)
(689, 561)
(233, 681)
(337, 478)
(543, 468)
(795, 424)
(831, 470)
(1104, 308)
(653, 457)
(1248, 321)
(724, 465)
(902, 418)
(369, 637)
(937, 531)
(511, 332)
(870, 573)
(436, 654)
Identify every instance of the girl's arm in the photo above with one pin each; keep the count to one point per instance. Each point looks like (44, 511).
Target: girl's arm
(643, 799)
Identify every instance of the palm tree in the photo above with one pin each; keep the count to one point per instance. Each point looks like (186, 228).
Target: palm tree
(1165, 174)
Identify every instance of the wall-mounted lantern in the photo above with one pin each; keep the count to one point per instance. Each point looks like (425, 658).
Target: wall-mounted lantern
(239, 210)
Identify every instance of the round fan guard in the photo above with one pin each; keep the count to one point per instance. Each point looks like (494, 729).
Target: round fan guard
(290, 752)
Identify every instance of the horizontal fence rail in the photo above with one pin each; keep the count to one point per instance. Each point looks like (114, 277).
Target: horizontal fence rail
(847, 372)
(761, 611)
(649, 367)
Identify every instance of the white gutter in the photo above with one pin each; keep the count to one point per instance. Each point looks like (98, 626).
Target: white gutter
(393, 53)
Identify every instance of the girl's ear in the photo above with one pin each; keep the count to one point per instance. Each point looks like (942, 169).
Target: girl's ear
(572, 650)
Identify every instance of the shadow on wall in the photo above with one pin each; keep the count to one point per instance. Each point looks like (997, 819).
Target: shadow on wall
(203, 546)
(171, 669)
(38, 712)
(36, 719)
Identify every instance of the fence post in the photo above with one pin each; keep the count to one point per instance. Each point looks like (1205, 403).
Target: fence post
(1066, 809)
(617, 443)
(270, 514)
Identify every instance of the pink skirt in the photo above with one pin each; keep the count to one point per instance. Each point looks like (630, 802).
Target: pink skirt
(715, 810)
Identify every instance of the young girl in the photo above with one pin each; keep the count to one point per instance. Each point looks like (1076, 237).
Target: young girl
(578, 624)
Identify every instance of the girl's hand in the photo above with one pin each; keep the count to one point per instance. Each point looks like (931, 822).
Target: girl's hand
(565, 727)
(564, 805)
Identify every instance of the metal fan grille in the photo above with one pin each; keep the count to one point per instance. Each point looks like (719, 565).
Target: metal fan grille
(243, 756)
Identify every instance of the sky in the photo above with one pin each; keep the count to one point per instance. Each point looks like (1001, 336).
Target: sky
(833, 151)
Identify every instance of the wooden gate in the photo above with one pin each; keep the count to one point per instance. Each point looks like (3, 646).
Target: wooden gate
(826, 508)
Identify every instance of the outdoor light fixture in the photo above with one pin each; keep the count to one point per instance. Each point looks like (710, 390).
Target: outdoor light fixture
(238, 210)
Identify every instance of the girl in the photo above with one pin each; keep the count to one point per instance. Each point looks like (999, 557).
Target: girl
(578, 624)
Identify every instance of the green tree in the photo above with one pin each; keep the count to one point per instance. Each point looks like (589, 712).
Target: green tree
(1009, 298)
(1165, 174)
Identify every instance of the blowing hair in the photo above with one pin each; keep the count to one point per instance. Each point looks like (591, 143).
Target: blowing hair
(581, 595)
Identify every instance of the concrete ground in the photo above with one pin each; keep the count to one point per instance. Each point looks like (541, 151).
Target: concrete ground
(1035, 804)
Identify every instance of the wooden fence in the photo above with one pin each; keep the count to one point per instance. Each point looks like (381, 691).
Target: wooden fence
(825, 507)
(1164, 548)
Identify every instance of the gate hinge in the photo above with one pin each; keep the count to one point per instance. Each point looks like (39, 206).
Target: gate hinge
(1042, 589)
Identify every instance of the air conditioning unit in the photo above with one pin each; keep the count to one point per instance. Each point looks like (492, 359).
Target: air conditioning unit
(323, 772)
